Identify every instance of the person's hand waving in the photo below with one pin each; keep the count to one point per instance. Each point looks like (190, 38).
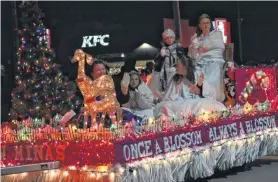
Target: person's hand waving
(125, 83)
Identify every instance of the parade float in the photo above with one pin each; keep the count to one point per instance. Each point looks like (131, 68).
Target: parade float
(165, 149)
(162, 150)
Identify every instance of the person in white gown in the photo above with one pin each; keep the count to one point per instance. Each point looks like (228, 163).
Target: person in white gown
(184, 96)
(141, 98)
(207, 47)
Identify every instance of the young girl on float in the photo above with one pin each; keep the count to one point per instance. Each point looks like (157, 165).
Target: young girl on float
(184, 96)
(165, 63)
(141, 98)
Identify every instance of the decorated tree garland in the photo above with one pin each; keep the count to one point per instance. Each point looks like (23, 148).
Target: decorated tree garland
(259, 79)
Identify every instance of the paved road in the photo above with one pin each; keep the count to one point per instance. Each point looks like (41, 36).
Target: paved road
(262, 170)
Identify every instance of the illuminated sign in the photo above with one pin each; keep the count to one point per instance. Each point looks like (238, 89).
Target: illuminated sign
(93, 41)
(222, 25)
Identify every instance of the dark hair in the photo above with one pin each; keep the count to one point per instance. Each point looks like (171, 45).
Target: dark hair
(149, 65)
(198, 30)
(158, 62)
(149, 68)
(135, 73)
(187, 62)
(90, 68)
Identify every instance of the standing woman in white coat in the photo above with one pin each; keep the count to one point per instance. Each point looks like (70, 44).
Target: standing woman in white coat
(207, 47)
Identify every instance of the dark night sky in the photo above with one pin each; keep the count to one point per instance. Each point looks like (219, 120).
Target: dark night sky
(138, 22)
(133, 23)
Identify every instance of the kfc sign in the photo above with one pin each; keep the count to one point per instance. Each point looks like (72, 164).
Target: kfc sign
(93, 41)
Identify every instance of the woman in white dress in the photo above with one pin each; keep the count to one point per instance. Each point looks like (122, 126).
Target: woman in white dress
(207, 47)
(141, 98)
(184, 97)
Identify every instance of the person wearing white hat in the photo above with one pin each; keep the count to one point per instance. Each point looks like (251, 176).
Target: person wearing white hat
(165, 63)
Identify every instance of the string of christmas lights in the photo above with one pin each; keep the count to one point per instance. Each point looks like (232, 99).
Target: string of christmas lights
(259, 78)
(163, 124)
(200, 162)
(42, 92)
(90, 89)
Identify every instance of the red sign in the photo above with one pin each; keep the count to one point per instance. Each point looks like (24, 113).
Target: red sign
(100, 152)
(131, 149)
(223, 26)
(186, 31)
(94, 153)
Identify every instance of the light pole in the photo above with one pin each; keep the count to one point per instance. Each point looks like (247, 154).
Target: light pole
(176, 13)
(239, 21)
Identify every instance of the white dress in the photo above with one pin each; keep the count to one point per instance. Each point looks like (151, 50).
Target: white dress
(180, 102)
(141, 101)
(210, 63)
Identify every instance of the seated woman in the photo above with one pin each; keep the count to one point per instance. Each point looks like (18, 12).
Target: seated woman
(141, 99)
(96, 70)
(183, 97)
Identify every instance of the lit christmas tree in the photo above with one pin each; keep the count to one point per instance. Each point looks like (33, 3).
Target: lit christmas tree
(42, 91)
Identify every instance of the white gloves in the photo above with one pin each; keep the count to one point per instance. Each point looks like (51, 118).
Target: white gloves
(126, 80)
(163, 52)
(125, 83)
